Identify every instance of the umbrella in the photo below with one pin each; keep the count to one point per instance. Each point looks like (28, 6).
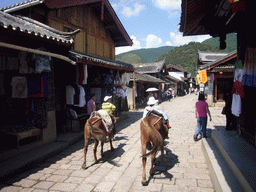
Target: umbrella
(151, 89)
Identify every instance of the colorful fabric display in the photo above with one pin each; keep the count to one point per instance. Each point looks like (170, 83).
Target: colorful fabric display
(249, 78)
(38, 86)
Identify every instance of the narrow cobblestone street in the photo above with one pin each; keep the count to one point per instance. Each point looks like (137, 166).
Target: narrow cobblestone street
(121, 170)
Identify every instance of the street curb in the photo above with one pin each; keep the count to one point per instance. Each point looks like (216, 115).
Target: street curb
(221, 176)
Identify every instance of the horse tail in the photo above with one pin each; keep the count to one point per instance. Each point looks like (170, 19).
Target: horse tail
(155, 138)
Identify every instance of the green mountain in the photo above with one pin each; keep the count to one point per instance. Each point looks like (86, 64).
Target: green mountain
(143, 55)
(231, 41)
(186, 56)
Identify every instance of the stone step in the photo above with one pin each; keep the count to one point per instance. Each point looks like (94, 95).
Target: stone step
(235, 158)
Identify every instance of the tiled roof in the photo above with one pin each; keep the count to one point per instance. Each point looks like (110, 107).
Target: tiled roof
(150, 67)
(30, 26)
(210, 56)
(105, 62)
(21, 4)
(175, 67)
(228, 57)
(146, 78)
(111, 21)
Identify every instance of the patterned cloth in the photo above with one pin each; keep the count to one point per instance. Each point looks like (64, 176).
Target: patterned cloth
(105, 116)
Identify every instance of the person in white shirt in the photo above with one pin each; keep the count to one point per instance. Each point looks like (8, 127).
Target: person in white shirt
(153, 105)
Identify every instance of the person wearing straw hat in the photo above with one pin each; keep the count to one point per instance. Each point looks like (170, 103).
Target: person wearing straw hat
(152, 105)
(107, 105)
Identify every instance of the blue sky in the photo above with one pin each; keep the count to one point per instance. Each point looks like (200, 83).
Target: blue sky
(150, 23)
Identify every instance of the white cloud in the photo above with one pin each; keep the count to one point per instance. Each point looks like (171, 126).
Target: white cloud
(115, 6)
(168, 43)
(168, 5)
(178, 39)
(136, 45)
(128, 12)
(153, 41)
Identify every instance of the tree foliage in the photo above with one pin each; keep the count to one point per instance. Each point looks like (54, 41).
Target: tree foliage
(186, 56)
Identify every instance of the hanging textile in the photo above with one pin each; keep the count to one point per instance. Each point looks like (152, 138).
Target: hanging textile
(249, 78)
(82, 100)
(23, 68)
(19, 87)
(203, 76)
(38, 86)
(70, 92)
(42, 62)
(125, 79)
(238, 92)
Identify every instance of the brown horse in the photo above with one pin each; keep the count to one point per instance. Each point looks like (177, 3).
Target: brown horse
(152, 132)
(96, 128)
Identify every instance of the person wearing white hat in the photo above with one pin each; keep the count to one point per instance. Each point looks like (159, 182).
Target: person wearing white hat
(107, 105)
(153, 105)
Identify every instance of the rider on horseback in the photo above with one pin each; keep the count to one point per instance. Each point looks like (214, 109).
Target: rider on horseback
(153, 107)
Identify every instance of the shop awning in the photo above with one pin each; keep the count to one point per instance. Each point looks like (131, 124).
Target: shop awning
(101, 62)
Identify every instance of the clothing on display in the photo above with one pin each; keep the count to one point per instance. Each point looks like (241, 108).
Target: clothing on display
(249, 70)
(75, 95)
(42, 62)
(236, 107)
(19, 87)
(82, 101)
(23, 68)
(38, 86)
(70, 92)
(238, 92)
(125, 79)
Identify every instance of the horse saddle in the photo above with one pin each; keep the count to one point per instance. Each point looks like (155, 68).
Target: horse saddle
(155, 113)
(105, 117)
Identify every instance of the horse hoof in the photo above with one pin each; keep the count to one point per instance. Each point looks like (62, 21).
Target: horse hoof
(112, 149)
(84, 166)
(144, 183)
(152, 173)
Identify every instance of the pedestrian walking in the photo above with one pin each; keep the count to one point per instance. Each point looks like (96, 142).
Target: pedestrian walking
(201, 112)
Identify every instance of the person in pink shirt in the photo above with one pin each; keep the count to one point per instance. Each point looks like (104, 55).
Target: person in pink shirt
(201, 114)
(91, 106)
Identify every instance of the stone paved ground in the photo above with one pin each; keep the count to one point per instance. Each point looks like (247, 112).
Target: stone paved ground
(121, 170)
